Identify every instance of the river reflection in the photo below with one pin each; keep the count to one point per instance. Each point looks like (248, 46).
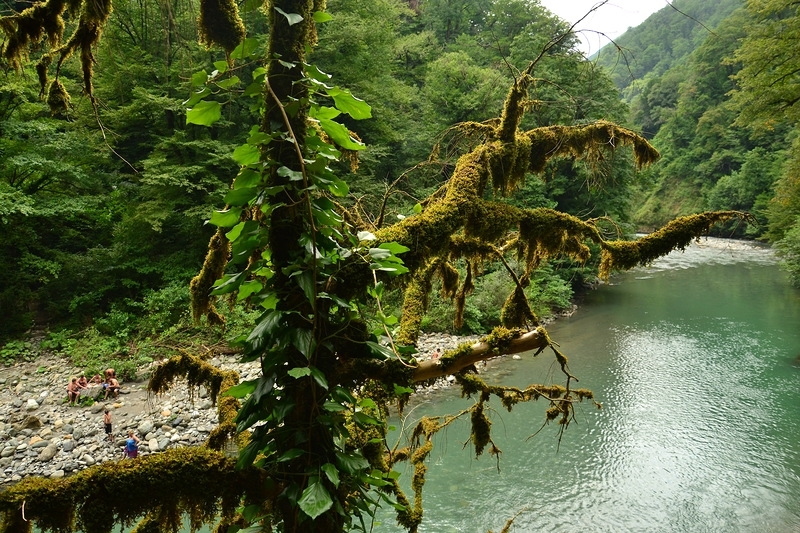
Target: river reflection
(693, 360)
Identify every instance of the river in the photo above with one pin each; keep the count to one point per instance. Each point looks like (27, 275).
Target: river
(695, 360)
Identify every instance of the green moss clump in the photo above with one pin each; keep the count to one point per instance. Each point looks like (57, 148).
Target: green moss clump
(58, 98)
(213, 268)
(219, 24)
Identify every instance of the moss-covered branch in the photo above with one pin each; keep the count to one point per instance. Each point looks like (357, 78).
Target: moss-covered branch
(199, 482)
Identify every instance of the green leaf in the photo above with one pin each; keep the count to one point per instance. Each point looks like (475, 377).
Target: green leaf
(221, 66)
(334, 407)
(301, 339)
(242, 389)
(228, 283)
(324, 112)
(347, 103)
(351, 463)
(417, 208)
(199, 78)
(340, 135)
(204, 113)
(366, 236)
(379, 253)
(315, 500)
(196, 97)
(293, 175)
(248, 288)
(247, 178)
(320, 17)
(299, 372)
(246, 49)
(228, 82)
(291, 18)
(331, 473)
(339, 188)
(319, 377)
(294, 453)
(225, 219)
(394, 247)
(239, 197)
(246, 154)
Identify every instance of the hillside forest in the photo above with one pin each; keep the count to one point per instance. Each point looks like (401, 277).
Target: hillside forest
(104, 209)
(297, 180)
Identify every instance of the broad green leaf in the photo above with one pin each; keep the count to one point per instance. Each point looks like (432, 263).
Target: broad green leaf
(331, 473)
(340, 135)
(347, 103)
(395, 248)
(334, 407)
(351, 463)
(399, 391)
(313, 72)
(367, 403)
(319, 377)
(264, 385)
(199, 78)
(228, 283)
(365, 419)
(301, 339)
(379, 351)
(321, 16)
(225, 219)
(227, 83)
(299, 372)
(290, 454)
(204, 113)
(293, 175)
(324, 112)
(196, 97)
(246, 154)
(291, 18)
(261, 335)
(339, 188)
(417, 208)
(242, 389)
(248, 288)
(246, 49)
(247, 178)
(221, 66)
(379, 253)
(315, 500)
(239, 197)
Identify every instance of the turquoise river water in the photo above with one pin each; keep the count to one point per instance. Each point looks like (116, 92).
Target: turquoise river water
(696, 361)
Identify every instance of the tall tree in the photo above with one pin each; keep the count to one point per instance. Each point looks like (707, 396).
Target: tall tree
(311, 429)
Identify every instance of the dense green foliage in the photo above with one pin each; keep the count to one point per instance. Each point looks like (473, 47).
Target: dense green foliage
(103, 211)
(720, 105)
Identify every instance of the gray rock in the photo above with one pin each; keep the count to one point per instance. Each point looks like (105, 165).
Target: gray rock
(31, 405)
(40, 444)
(57, 474)
(145, 427)
(152, 444)
(68, 445)
(67, 428)
(48, 453)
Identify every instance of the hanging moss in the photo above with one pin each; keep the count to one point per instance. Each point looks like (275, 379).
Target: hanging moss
(517, 312)
(29, 27)
(678, 234)
(121, 492)
(58, 98)
(481, 431)
(213, 268)
(461, 297)
(449, 276)
(219, 24)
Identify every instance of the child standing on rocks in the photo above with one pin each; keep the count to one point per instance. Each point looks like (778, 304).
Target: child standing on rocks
(107, 424)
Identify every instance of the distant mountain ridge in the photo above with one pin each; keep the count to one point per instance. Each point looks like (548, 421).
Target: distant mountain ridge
(665, 39)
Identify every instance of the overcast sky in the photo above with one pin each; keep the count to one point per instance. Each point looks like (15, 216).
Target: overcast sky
(613, 19)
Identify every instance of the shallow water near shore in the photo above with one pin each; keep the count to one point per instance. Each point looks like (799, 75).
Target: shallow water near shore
(695, 362)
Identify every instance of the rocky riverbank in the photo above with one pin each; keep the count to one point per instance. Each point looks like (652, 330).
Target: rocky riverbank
(42, 435)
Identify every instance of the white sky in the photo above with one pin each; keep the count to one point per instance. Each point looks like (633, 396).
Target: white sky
(613, 18)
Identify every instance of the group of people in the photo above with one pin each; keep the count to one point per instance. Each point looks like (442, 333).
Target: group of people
(81, 385)
(131, 450)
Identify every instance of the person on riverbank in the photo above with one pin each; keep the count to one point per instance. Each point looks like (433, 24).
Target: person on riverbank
(107, 425)
(131, 450)
(73, 391)
(112, 386)
(437, 353)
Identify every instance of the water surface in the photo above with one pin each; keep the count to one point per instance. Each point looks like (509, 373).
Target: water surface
(695, 362)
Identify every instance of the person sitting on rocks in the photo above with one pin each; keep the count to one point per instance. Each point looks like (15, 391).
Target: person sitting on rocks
(131, 445)
(83, 383)
(73, 391)
(96, 380)
(112, 386)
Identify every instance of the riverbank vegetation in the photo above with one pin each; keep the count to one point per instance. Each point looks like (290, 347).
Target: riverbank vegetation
(326, 238)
